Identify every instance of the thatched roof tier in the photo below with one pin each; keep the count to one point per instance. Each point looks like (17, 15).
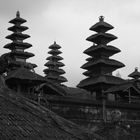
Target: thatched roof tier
(54, 57)
(59, 71)
(18, 19)
(53, 63)
(22, 54)
(56, 78)
(108, 65)
(101, 38)
(54, 52)
(20, 64)
(89, 59)
(17, 28)
(16, 35)
(100, 81)
(62, 79)
(101, 26)
(16, 45)
(54, 46)
(24, 76)
(102, 50)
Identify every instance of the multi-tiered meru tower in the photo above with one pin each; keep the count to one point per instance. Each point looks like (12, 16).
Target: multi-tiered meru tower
(17, 46)
(54, 72)
(99, 66)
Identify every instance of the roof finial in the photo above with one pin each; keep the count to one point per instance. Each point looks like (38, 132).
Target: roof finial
(18, 14)
(101, 18)
(54, 42)
(136, 68)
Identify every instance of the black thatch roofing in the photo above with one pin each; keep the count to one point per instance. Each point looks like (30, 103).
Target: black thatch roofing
(105, 62)
(23, 119)
(18, 19)
(51, 63)
(55, 57)
(25, 76)
(98, 49)
(105, 79)
(14, 44)
(15, 35)
(101, 38)
(15, 27)
(54, 46)
(61, 71)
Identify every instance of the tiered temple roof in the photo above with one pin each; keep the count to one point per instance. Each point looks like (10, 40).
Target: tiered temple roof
(54, 72)
(135, 74)
(99, 66)
(17, 46)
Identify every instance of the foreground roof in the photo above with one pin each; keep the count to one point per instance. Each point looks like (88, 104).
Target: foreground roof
(24, 119)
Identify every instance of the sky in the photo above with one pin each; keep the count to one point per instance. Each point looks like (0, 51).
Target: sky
(67, 22)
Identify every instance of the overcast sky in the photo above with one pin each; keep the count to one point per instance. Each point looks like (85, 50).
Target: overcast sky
(67, 22)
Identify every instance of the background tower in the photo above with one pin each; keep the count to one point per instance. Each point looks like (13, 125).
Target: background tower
(53, 71)
(17, 46)
(99, 66)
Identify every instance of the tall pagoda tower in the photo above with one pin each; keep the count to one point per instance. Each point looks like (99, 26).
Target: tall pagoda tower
(99, 66)
(53, 71)
(17, 46)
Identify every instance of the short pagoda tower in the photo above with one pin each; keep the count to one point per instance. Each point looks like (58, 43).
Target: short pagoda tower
(99, 66)
(53, 71)
(17, 46)
(135, 75)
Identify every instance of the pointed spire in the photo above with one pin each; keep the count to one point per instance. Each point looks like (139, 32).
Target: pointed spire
(54, 42)
(101, 18)
(18, 14)
(136, 69)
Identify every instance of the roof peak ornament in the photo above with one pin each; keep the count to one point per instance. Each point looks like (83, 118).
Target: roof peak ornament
(101, 18)
(18, 14)
(136, 68)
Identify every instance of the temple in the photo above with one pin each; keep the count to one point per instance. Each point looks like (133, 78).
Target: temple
(53, 71)
(101, 104)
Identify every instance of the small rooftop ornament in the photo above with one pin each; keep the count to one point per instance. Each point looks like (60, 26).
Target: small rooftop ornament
(18, 14)
(101, 18)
